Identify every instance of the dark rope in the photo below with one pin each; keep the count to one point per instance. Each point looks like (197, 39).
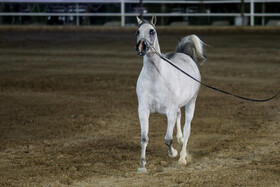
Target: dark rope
(213, 88)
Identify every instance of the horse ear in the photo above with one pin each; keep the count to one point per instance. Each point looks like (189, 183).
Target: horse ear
(154, 20)
(138, 20)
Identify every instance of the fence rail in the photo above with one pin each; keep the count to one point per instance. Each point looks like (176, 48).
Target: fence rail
(123, 14)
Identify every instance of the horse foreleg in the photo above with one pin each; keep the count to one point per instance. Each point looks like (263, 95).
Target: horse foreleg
(144, 122)
(171, 117)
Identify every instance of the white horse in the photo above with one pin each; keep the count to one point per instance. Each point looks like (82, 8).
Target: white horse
(162, 88)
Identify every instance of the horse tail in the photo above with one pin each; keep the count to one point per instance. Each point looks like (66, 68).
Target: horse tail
(192, 46)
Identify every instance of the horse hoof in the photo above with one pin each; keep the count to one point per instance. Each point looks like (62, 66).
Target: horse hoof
(182, 161)
(173, 153)
(142, 170)
(180, 141)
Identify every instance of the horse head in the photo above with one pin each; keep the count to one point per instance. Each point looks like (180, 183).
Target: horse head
(146, 35)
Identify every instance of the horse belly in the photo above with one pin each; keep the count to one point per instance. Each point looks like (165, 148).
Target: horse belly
(163, 101)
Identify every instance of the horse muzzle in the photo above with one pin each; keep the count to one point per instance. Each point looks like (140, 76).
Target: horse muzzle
(142, 47)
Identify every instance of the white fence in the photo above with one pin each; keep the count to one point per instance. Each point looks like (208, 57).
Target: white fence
(123, 14)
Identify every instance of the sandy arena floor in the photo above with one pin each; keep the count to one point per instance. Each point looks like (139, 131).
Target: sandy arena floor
(69, 112)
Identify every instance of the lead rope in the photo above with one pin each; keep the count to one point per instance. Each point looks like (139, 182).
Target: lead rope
(211, 87)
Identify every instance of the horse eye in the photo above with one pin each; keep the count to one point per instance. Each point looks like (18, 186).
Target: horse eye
(137, 32)
(152, 32)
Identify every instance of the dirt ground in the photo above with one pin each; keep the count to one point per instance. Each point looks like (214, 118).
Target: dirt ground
(69, 112)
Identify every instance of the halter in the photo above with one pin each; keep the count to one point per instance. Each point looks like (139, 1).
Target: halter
(146, 40)
(151, 45)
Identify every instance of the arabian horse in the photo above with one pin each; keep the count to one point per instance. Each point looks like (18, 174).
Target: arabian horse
(162, 88)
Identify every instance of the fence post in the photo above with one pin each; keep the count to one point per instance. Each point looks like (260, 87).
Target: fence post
(77, 15)
(263, 11)
(252, 12)
(122, 13)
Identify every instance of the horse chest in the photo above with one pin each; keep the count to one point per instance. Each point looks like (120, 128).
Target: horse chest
(155, 95)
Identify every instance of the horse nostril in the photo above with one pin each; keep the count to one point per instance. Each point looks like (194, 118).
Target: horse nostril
(143, 47)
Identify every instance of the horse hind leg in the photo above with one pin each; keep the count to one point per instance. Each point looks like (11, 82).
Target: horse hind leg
(179, 136)
(190, 107)
(171, 117)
